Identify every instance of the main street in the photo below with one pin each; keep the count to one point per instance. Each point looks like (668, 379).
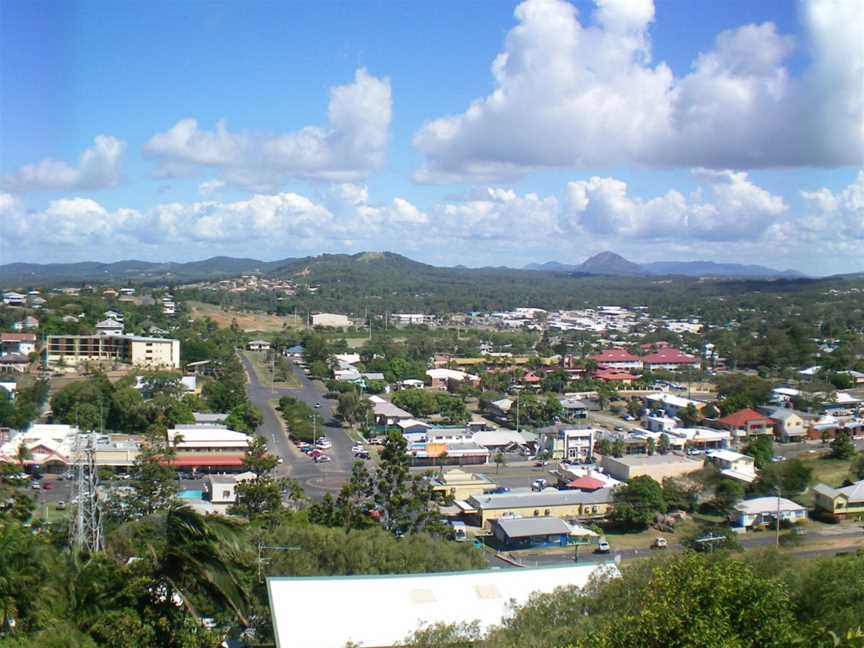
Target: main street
(315, 478)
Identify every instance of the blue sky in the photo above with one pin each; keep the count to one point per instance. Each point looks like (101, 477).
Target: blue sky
(675, 130)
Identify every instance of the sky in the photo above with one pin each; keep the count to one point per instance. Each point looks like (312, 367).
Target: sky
(478, 133)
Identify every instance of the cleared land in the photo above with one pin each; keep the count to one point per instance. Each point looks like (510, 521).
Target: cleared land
(246, 320)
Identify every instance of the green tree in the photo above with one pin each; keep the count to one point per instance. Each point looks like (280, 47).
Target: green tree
(761, 449)
(638, 502)
(663, 444)
(789, 477)
(842, 446)
(680, 494)
(500, 461)
(245, 418)
(153, 479)
(727, 494)
(262, 495)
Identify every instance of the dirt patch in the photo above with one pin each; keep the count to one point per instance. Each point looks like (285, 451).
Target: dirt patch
(246, 320)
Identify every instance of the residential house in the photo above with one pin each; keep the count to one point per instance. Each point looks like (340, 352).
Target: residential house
(733, 465)
(13, 298)
(659, 423)
(109, 327)
(841, 503)
(763, 511)
(788, 424)
(746, 424)
(573, 409)
(386, 413)
(614, 375)
(671, 404)
(27, 324)
(440, 378)
(17, 343)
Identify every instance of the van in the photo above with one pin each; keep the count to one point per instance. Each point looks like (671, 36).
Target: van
(538, 484)
(460, 532)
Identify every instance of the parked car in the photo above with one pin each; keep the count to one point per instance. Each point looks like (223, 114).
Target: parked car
(322, 458)
(540, 463)
(60, 506)
(36, 486)
(659, 543)
(618, 428)
(500, 490)
(603, 546)
(324, 442)
(47, 486)
(361, 454)
(629, 418)
(777, 459)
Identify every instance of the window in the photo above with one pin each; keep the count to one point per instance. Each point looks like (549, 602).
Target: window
(536, 512)
(226, 494)
(547, 512)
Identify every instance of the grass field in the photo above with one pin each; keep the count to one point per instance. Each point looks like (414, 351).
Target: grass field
(262, 372)
(248, 321)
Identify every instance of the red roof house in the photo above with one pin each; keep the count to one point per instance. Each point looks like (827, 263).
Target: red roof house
(670, 358)
(617, 358)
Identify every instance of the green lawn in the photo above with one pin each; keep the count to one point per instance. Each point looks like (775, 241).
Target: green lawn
(262, 372)
(825, 471)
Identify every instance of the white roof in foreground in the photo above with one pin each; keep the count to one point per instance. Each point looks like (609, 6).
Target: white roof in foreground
(411, 601)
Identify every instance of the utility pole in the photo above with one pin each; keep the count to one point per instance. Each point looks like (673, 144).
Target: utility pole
(777, 520)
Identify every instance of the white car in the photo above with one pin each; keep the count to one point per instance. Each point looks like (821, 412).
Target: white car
(324, 443)
(322, 459)
(603, 546)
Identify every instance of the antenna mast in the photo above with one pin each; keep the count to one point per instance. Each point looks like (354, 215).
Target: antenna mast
(87, 531)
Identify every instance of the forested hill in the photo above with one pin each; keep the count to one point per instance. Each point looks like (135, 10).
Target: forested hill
(146, 272)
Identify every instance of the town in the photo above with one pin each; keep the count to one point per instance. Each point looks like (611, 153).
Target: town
(533, 437)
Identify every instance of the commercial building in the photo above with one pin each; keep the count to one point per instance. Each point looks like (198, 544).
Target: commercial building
(461, 485)
(71, 350)
(523, 533)
(657, 466)
(381, 611)
(566, 504)
(617, 359)
(440, 378)
(331, 320)
(670, 359)
(411, 319)
(574, 445)
(208, 449)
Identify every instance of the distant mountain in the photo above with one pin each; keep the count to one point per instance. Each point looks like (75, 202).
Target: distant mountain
(551, 266)
(609, 263)
(712, 269)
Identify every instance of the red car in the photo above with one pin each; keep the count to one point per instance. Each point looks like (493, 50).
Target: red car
(47, 486)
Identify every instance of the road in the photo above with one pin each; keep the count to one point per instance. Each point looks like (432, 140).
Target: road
(852, 543)
(316, 479)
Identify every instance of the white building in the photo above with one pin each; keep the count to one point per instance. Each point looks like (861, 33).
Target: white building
(412, 601)
(109, 327)
(411, 319)
(733, 464)
(147, 352)
(331, 320)
(574, 445)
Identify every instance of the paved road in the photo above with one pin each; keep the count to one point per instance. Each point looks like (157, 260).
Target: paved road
(316, 479)
(853, 538)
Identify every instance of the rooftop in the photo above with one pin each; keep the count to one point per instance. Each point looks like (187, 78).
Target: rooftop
(533, 526)
(547, 497)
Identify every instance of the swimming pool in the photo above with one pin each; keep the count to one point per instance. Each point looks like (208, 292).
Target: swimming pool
(191, 495)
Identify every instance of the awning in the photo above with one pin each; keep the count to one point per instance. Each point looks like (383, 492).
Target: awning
(204, 461)
(465, 506)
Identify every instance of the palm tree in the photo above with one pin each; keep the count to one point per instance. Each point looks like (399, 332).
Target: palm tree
(23, 454)
(201, 555)
(500, 460)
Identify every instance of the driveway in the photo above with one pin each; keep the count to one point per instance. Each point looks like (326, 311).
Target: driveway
(316, 479)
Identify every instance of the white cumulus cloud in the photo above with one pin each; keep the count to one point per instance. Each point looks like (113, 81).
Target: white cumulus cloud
(353, 145)
(572, 94)
(98, 168)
